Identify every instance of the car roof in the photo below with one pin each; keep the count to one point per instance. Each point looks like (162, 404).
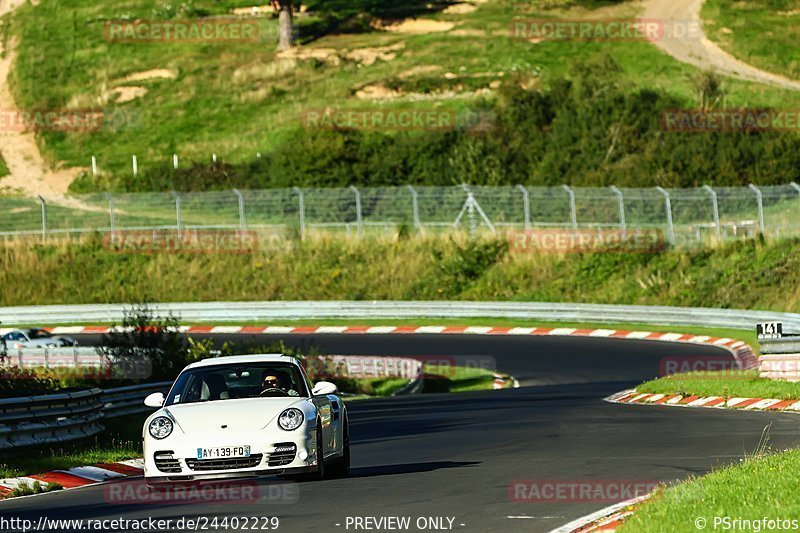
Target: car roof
(242, 359)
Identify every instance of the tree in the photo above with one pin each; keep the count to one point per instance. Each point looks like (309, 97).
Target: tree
(286, 23)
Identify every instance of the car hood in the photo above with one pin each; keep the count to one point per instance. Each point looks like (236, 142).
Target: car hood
(239, 415)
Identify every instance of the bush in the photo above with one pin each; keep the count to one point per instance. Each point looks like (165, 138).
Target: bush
(143, 336)
(583, 129)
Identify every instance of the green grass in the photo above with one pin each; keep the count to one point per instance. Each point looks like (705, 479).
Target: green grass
(121, 440)
(3, 167)
(459, 379)
(761, 486)
(236, 99)
(25, 489)
(731, 384)
(737, 275)
(762, 33)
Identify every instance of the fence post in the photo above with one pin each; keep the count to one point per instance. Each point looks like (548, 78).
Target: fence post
(716, 210)
(668, 206)
(359, 219)
(572, 210)
(302, 211)
(414, 207)
(178, 214)
(242, 222)
(760, 199)
(526, 205)
(621, 204)
(44, 218)
(111, 219)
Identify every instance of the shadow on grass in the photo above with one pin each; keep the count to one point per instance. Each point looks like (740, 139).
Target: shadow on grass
(358, 16)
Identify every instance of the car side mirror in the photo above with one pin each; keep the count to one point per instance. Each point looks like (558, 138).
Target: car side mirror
(154, 400)
(322, 388)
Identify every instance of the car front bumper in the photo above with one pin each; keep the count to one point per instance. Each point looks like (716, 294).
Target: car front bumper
(181, 464)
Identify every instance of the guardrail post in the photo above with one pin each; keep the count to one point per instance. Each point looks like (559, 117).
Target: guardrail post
(111, 219)
(242, 222)
(668, 207)
(572, 209)
(715, 204)
(621, 204)
(414, 207)
(526, 205)
(44, 218)
(178, 214)
(301, 208)
(359, 219)
(760, 199)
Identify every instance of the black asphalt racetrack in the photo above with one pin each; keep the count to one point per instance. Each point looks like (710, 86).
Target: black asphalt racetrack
(456, 455)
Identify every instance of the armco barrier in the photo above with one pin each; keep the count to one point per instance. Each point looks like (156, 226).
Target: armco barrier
(123, 401)
(50, 418)
(69, 357)
(240, 312)
(780, 358)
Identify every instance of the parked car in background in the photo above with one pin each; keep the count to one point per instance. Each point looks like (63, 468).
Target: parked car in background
(35, 338)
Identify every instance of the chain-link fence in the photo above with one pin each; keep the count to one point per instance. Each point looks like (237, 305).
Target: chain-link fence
(684, 217)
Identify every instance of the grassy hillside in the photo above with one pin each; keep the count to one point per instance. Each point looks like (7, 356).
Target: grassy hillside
(763, 33)
(577, 112)
(739, 275)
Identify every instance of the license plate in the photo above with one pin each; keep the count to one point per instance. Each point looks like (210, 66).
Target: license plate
(223, 452)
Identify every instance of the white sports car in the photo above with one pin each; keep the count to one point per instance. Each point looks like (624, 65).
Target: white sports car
(245, 416)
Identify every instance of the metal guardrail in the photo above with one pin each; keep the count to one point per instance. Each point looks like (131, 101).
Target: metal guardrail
(780, 357)
(240, 312)
(70, 357)
(32, 420)
(50, 418)
(123, 401)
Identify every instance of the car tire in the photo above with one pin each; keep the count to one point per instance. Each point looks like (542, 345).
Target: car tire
(340, 467)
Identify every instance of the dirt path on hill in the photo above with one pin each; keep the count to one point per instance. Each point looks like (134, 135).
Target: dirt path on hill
(697, 49)
(28, 170)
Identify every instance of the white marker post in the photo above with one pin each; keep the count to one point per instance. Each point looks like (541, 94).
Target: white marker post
(175, 161)
(135, 166)
(94, 166)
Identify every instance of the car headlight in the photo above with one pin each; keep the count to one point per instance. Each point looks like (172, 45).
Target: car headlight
(160, 427)
(290, 419)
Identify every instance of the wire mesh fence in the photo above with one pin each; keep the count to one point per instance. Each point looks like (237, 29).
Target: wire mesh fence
(685, 217)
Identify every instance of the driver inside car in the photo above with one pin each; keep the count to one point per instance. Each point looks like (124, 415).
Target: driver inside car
(271, 386)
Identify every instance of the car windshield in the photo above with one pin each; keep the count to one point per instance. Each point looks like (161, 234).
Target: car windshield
(236, 381)
(38, 334)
